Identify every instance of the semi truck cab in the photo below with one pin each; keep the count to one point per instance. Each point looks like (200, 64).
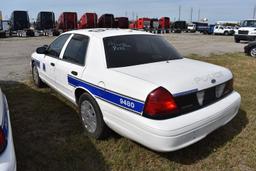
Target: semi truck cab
(247, 31)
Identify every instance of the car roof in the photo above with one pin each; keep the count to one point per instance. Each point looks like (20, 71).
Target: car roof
(106, 32)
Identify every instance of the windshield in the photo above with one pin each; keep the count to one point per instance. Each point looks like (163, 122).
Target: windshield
(249, 23)
(21, 16)
(122, 51)
(47, 16)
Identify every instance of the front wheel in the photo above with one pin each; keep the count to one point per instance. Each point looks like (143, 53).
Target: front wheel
(252, 52)
(37, 80)
(91, 117)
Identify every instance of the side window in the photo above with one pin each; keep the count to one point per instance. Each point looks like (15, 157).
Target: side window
(76, 50)
(57, 45)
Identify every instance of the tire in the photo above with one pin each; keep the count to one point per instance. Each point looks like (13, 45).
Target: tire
(35, 75)
(226, 33)
(252, 52)
(91, 117)
(237, 40)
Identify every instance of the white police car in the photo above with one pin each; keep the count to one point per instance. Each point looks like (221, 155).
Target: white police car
(138, 85)
(7, 154)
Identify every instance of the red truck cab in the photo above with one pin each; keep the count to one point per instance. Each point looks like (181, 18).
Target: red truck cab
(143, 23)
(164, 23)
(67, 21)
(88, 20)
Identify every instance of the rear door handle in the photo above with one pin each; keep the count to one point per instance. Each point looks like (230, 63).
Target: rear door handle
(74, 73)
(52, 64)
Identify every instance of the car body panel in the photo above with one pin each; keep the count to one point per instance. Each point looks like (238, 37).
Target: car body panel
(7, 157)
(176, 75)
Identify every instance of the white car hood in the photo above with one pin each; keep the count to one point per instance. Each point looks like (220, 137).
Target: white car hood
(179, 76)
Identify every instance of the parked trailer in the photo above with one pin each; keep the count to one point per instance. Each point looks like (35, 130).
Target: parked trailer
(67, 21)
(20, 25)
(106, 21)
(154, 25)
(164, 24)
(88, 20)
(178, 26)
(122, 22)
(143, 24)
(45, 23)
(201, 27)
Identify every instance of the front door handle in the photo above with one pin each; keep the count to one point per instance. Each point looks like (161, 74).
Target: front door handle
(52, 64)
(74, 73)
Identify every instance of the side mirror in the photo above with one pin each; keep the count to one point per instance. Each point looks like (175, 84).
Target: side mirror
(42, 50)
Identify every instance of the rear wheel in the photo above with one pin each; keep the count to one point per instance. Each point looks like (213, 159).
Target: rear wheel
(252, 52)
(226, 33)
(91, 117)
(37, 80)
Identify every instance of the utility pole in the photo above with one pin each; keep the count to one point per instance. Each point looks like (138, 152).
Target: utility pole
(254, 12)
(199, 11)
(179, 11)
(191, 15)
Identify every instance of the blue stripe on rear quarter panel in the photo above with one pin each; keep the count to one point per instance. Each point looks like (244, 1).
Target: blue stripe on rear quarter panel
(117, 99)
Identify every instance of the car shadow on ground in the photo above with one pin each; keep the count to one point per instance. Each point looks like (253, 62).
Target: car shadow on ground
(211, 143)
(47, 132)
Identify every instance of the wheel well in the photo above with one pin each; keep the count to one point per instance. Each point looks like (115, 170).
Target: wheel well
(78, 93)
(32, 63)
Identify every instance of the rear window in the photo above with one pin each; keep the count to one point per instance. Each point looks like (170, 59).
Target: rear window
(122, 51)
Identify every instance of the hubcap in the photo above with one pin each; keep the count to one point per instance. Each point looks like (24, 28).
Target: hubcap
(88, 116)
(253, 52)
(35, 75)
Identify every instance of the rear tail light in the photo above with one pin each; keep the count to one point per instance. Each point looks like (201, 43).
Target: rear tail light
(160, 103)
(228, 87)
(3, 140)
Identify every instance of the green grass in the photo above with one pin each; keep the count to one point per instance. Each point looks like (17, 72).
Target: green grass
(48, 134)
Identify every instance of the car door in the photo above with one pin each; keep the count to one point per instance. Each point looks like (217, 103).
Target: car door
(216, 29)
(72, 63)
(221, 30)
(51, 58)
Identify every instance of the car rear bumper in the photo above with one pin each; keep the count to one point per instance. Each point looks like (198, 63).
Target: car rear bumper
(175, 133)
(245, 37)
(8, 158)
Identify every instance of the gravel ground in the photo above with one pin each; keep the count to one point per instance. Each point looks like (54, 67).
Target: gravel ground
(15, 52)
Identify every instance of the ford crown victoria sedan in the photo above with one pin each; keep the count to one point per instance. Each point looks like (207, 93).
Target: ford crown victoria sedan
(138, 85)
(7, 154)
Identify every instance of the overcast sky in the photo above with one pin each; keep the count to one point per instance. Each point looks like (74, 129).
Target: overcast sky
(214, 10)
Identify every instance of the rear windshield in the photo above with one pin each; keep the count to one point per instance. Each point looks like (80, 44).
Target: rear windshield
(122, 51)
(47, 16)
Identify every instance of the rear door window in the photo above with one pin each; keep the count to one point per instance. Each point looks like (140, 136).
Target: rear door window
(76, 50)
